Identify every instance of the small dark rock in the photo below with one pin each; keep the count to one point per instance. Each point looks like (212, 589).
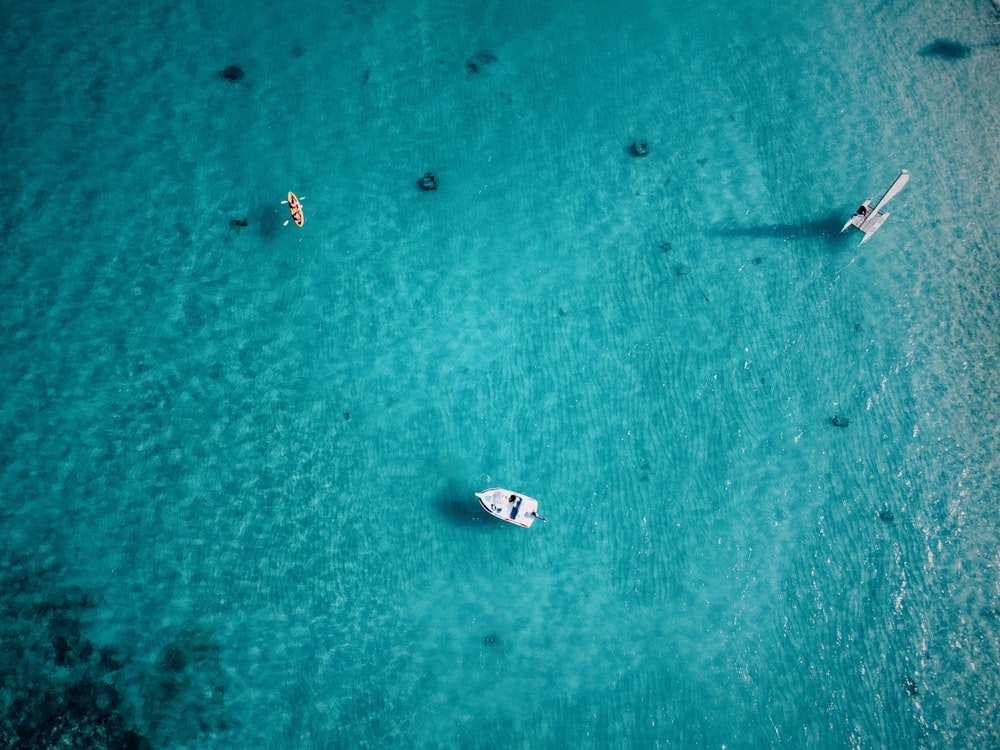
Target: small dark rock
(428, 182)
(757, 261)
(666, 247)
(347, 416)
(237, 223)
(840, 421)
(886, 516)
(640, 148)
(232, 73)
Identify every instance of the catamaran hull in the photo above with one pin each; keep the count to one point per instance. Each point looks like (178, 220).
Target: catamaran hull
(871, 219)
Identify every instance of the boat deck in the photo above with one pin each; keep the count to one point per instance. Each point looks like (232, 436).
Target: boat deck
(512, 507)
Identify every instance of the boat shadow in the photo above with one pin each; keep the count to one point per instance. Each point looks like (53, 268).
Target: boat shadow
(825, 228)
(269, 221)
(459, 506)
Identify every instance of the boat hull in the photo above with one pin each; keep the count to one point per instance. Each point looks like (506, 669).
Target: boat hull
(512, 507)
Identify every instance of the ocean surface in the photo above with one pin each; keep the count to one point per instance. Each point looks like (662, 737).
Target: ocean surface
(238, 458)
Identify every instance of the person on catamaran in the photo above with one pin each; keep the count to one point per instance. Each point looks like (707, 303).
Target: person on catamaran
(862, 210)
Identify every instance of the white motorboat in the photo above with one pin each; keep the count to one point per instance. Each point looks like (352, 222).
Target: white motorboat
(869, 219)
(511, 507)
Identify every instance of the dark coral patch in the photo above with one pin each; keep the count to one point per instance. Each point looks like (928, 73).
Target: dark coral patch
(185, 690)
(232, 73)
(64, 687)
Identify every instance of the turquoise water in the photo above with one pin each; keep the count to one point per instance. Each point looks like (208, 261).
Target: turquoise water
(238, 462)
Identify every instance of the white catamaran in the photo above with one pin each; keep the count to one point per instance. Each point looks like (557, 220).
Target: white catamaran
(869, 219)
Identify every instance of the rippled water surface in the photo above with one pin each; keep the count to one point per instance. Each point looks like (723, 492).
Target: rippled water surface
(238, 458)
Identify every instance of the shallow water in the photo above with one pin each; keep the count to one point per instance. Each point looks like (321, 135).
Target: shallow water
(238, 463)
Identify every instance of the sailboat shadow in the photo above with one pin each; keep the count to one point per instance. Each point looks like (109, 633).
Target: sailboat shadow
(825, 228)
